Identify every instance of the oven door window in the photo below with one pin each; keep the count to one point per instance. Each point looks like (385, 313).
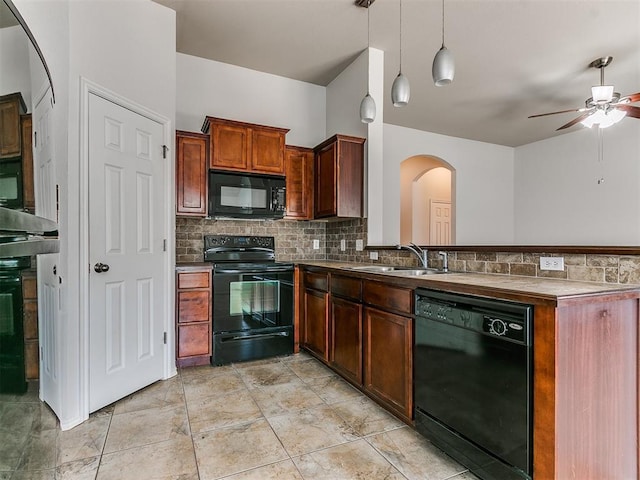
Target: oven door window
(243, 197)
(254, 298)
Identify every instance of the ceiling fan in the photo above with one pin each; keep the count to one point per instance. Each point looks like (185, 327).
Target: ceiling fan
(605, 107)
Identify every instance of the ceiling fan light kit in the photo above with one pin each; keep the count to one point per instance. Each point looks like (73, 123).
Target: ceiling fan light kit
(605, 107)
(400, 90)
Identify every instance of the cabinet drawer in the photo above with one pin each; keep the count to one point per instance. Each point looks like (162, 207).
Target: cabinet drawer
(194, 306)
(194, 280)
(387, 297)
(347, 287)
(194, 339)
(316, 280)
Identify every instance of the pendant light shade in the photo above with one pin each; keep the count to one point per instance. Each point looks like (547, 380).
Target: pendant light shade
(443, 68)
(368, 105)
(400, 91)
(367, 109)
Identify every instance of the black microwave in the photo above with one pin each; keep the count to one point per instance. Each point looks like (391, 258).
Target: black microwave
(11, 183)
(242, 195)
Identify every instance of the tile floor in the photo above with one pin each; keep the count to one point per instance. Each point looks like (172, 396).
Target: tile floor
(282, 418)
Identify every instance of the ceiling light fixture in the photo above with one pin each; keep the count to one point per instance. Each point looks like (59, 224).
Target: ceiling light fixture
(368, 105)
(400, 90)
(443, 68)
(604, 117)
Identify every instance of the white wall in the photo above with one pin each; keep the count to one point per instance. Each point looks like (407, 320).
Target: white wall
(558, 198)
(209, 88)
(14, 53)
(484, 184)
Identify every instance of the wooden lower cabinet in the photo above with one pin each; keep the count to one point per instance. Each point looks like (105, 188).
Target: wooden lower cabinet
(346, 338)
(315, 333)
(193, 316)
(388, 362)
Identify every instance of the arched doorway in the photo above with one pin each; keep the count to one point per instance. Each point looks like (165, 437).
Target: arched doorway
(427, 201)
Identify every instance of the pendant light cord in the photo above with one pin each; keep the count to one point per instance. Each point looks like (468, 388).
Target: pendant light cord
(443, 23)
(400, 36)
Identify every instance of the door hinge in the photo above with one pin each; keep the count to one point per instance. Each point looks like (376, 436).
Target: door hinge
(164, 338)
(164, 245)
(165, 149)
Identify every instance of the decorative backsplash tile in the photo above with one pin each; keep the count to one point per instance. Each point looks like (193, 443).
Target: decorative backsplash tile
(294, 241)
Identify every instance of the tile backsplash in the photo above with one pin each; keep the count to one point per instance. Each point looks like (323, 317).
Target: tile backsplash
(294, 241)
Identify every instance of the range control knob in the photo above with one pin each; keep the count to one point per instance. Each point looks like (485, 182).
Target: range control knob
(497, 327)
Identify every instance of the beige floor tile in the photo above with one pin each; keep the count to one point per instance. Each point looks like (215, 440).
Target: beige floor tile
(206, 370)
(84, 441)
(302, 356)
(161, 394)
(144, 427)
(18, 418)
(49, 474)
(310, 370)
(276, 471)
(261, 375)
(255, 363)
(208, 413)
(277, 400)
(6, 475)
(333, 389)
(349, 461)
(12, 447)
(414, 455)
(366, 417)
(235, 449)
(205, 386)
(39, 451)
(85, 469)
(170, 460)
(311, 429)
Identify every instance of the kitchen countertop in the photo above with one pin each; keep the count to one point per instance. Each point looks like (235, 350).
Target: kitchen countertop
(511, 285)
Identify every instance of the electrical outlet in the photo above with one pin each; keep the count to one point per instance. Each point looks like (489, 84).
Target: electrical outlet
(373, 255)
(359, 245)
(552, 263)
(343, 245)
(316, 244)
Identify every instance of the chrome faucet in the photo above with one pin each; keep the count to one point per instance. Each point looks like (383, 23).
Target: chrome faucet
(445, 261)
(419, 252)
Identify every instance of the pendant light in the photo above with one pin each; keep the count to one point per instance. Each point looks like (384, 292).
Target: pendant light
(368, 105)
(443, 68)
(400, 91)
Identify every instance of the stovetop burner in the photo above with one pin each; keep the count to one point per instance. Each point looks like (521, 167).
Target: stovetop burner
(231, 252)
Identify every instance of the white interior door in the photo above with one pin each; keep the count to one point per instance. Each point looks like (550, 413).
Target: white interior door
(440, 223)
(127, 261)
(48, 284)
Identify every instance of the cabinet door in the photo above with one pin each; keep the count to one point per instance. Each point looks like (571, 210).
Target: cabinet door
(267, 151)
(191, 174)
(316, 325)
(346, 338)
(194, 340)
(28, 194)
(230, 147)
(388, 366)
(11, 107)
(298, 164)
(325, 182)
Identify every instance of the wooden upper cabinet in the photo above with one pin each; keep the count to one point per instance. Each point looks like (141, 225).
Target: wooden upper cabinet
(191, 174)
(298, 170)
(11, 107)
(339, 170)
(245, 147)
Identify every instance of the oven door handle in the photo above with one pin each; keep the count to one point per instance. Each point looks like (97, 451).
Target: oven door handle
(260, 270)
(257, 335)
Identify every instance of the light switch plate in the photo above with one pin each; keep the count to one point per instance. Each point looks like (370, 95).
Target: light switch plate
(316, 244)
(359, 245)
(343, 245)
(373, 255)
(552, 263)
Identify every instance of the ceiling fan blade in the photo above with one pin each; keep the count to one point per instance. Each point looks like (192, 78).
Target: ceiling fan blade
(555, 113)
(634, 97)
(575, 120)
(631, 110)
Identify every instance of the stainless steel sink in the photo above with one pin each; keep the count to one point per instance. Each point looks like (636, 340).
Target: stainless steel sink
(405, 271)
(417, 272)
(375, 268)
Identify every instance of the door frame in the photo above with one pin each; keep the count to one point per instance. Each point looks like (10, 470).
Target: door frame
(87, 88)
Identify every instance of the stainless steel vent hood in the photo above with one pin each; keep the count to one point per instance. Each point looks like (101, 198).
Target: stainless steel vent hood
(21, 234)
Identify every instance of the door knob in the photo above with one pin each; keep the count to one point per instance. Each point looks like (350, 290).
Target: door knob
(101, 267)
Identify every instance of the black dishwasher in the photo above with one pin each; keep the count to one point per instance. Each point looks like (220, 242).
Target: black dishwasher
(473, 361)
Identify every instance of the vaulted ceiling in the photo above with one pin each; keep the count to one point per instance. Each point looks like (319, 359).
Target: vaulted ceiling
(514, 58)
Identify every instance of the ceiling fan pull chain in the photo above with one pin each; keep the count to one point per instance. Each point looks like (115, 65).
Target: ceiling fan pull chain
(600, 154)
